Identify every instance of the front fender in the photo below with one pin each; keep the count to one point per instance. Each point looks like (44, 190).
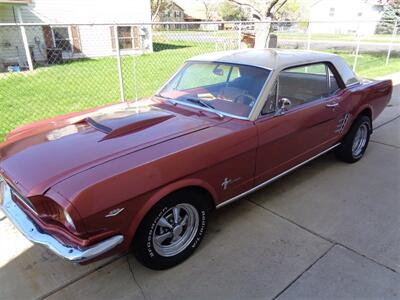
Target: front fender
(159, 194)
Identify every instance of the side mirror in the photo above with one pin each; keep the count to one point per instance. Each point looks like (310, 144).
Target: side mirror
(284, 105)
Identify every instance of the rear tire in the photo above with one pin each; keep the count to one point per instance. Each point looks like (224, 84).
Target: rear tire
(355, 142)
(172, 230)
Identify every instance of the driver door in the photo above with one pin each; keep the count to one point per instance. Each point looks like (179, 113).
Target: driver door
(290, 136)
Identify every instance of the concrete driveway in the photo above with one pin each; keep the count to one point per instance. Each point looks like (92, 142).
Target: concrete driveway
(329, 230)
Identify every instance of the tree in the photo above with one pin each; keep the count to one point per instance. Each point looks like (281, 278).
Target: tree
(208, 8)
(263, 10)
(391, 12)
(291, 12)
(158, 6)
(231, 12)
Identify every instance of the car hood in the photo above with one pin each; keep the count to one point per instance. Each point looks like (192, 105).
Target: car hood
(37, 156)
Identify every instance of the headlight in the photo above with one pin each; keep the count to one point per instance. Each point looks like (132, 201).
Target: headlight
(2, 190)
(48, 209)
(69, 220)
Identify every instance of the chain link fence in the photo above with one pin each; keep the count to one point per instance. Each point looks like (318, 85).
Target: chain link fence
(51, 69)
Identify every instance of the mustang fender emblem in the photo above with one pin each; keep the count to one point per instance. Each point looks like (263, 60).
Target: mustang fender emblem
(114, 212)
(228, 181)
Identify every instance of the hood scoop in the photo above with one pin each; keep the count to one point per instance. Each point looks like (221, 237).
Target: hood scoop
(115, 125)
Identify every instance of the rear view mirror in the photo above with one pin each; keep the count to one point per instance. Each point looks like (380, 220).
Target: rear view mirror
(217, 71)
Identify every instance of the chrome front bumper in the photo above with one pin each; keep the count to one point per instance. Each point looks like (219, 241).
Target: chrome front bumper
(28, 228)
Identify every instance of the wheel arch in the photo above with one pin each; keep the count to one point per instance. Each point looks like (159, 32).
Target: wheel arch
(366, 111)
(194, 185)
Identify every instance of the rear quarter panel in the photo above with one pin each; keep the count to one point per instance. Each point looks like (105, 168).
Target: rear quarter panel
(372, 95)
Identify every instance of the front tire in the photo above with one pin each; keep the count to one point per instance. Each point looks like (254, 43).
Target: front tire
(172, 230)
(356, 141)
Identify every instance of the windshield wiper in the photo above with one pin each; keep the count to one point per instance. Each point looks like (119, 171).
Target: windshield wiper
(200, 102)
(192, 100)
(168, 99)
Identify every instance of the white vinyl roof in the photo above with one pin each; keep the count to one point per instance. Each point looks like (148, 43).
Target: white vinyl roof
(279, 59)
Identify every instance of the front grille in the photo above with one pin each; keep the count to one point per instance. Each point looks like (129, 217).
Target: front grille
(15, 194)
(23, 199)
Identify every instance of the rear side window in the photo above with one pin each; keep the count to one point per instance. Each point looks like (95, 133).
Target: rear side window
(311, 69)
(348, 76)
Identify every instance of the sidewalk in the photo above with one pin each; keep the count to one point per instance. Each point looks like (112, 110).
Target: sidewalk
(396, 88)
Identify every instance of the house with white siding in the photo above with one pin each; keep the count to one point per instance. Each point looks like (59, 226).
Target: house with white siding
(345, 17)
(76, 38)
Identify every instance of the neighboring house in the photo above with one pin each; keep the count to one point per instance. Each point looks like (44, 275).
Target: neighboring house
(345, 16)
(172, 13)
(195, 11)
(74, 41)
(188, 11)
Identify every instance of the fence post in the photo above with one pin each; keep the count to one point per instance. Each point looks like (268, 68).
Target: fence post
(240, 36)
(120, 76)
(391, 41)
(216, 39)
(308, 36)
(357, 48)
(24, 39)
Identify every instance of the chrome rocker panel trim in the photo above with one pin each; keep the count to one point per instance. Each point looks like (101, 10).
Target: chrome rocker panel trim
(274, 178)
(27, 227)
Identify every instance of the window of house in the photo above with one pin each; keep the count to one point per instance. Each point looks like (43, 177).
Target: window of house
(178, 14)
(167, 14)
(332, 12)
(62, 38)
(128, 37)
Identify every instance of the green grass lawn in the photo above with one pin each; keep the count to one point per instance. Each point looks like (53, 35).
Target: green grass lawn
(233, 34)
(50, 91)
(371, 65)
(376, 38)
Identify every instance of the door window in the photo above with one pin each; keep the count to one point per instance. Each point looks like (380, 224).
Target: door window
(302, 85)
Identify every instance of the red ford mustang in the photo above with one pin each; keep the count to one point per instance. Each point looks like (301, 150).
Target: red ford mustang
(146, 174)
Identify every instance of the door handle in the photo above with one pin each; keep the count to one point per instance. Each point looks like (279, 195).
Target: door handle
(332, 104)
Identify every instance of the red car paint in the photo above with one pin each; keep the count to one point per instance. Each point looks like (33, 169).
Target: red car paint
(90, 171)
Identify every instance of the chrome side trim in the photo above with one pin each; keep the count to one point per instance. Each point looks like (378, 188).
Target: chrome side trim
(274, 178)
(114, 212)
(28, 228)
(23, 200)
(353, 84)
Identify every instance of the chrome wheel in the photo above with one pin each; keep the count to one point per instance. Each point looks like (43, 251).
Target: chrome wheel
(360, 140)
(175, 230)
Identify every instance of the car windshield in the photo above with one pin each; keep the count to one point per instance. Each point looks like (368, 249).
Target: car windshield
(228, 88)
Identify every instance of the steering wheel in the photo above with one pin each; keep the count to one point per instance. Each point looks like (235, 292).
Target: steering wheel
(245, 99)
